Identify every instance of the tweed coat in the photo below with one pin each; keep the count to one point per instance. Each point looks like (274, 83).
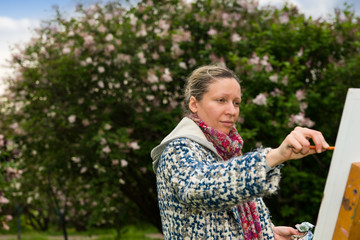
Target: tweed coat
(198, 191)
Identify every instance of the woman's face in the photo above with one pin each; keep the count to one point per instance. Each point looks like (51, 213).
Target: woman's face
(219, 107)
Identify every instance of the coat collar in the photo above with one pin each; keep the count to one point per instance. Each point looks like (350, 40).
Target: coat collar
(186, 128)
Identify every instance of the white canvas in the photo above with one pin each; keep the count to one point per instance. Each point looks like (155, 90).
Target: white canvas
(347, 151)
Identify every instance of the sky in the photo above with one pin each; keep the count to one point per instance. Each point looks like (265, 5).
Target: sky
(18, 18)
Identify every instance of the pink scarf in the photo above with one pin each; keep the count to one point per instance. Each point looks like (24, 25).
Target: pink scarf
(229, 146)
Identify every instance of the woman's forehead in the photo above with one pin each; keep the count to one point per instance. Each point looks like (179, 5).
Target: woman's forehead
(225, 85)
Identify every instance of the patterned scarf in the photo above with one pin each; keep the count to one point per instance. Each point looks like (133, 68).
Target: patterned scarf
(228, 146)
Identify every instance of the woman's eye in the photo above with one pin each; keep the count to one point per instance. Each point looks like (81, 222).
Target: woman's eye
(237, 104)
(221, 100)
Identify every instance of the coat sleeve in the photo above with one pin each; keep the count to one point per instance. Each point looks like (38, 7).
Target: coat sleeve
(215, 186)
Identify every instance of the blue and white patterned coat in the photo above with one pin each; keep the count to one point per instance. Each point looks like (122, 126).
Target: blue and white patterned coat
(198, 191)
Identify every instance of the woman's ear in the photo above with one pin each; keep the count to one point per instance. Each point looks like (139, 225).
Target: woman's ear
(193, 104)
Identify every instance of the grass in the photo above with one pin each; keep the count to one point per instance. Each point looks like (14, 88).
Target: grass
(127, 233)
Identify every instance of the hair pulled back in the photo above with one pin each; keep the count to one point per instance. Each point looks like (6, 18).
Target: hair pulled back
(197, 84)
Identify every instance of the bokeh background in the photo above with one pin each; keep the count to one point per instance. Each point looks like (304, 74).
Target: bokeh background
(90, 88)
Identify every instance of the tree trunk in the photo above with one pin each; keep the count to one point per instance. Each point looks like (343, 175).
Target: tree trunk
(18, 211)
(63, 225)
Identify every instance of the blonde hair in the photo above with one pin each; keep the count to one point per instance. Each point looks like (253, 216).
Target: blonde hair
(197, 84)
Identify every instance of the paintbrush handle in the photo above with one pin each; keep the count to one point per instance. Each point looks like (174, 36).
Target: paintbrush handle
(329, 148)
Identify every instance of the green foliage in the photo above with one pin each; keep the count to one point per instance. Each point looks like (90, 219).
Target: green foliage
(9, 173)
(96, 92)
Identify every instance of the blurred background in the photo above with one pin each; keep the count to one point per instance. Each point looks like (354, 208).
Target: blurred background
(18, 18)
(89, 88)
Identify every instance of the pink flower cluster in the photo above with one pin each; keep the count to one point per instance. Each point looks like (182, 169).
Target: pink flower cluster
(260, 99)
(300, 120)
(260, 63)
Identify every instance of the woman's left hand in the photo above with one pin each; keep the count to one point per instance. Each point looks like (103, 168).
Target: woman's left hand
(284, 233)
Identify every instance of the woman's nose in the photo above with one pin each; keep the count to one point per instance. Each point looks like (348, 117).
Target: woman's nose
(232, 109)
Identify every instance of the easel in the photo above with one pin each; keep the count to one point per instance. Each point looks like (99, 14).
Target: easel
(332, 219)
(348, 222)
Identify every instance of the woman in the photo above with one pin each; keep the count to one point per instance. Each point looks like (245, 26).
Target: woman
(206, 188)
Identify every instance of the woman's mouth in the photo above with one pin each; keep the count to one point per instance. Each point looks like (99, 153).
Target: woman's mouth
(227, 123)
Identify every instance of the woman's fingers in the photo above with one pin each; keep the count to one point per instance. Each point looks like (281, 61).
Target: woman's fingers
(320, 143)
(301, 141)
(298, 142)
(297, 145)
(303, 134)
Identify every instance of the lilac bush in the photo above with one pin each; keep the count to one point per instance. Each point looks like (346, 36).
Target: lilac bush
(94, 93)
(9, 173)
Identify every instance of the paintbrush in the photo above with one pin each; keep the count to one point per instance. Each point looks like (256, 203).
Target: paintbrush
(329, 148)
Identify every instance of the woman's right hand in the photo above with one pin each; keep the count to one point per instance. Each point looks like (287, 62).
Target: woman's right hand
(297, 145)
(284, 233)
